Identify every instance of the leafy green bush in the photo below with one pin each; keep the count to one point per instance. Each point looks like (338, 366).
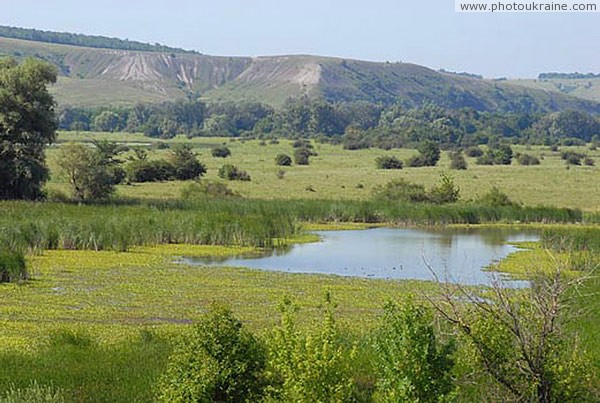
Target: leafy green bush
(221, 152)
(527, 159)
(283, 160)
(218, 362)
(310, 368)
(302, 155)
(572, 157)
(401, 190)
(12, 267)
(457, 161)
(496, 198)
(232, 173)
(185, 163)
(413, 365)
(429, 155)
(34, 393)
(445, 192)
(199, 190)
(388, 162)
(150, 171)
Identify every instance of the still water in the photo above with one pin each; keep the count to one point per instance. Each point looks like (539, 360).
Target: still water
(455, 255)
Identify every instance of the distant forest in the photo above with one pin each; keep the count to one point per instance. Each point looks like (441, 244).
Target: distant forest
(90, 41)
(355, 124)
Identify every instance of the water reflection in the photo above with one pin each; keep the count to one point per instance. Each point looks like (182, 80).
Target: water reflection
(390, 253)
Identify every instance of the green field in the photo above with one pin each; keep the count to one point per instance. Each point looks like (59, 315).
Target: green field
(341, 174)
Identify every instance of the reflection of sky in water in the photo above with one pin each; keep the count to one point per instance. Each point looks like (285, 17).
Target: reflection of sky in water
(458, 255)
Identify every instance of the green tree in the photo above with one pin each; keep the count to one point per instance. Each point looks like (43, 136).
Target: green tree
(310, 368)
(87, 172)
(218, 362)
(186, 164)
(414, 365)
(27, 126)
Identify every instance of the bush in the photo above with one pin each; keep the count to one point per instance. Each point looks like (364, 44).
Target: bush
(429, 155)
(232, 173)
(185, 163)
(474, 152)
(457, 161)
(150, 171)
(527, 159)
(221, 152)
(588, 161)
(388, 162)
(445, 192)
(301, 143)
(401, 190)
(302, 155)
(218, 362)
(12, 267)
(283, 160)
(496, 198)
(413, 365)
(203, 189)
(485, 159)
(310, 368)
(572, 157)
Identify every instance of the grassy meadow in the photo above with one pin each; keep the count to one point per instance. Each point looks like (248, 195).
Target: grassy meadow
(107, 296)
(341, 174)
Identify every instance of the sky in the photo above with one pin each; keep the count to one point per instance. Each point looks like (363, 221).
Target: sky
(426, 32)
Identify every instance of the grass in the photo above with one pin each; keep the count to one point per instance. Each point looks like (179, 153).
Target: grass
(351, 175)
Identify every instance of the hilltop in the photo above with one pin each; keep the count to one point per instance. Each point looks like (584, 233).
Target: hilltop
(126, 72)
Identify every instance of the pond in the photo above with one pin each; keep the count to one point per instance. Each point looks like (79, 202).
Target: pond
(456, 255)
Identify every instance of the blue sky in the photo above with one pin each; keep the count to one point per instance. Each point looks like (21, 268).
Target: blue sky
(426, 32)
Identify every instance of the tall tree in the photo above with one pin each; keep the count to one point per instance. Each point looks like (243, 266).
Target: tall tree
(27, 126)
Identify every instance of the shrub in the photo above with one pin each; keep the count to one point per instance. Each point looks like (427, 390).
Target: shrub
(496, 198)
(445, 192)
(588, 161)
(474, 152)
(221, 152)
(457, 161)
(527, 159)
(218, 362)
(185, 163)
(203, 189)
(301, 143)
(388, 162)
(310, 368)
(572, 157)
(232, 173)
(429, 155)
(150, 171)
(12, 267)
(485, 159)
(283, 160)
(401, 190)
(413, 365)
(302, 155)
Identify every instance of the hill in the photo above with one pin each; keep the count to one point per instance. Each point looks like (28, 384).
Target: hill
(95, 76)
(572, 85)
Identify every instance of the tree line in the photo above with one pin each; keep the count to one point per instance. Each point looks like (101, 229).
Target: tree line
(354, 124)
(90, 41)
